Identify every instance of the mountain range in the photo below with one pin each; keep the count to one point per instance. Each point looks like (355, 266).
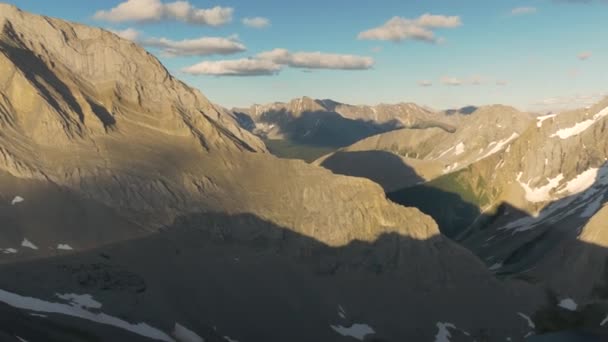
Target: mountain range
(135, 209)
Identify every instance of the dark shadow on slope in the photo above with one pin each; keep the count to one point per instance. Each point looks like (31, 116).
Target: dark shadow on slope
(244, 120)
(237, 273)
(468, 110)
(455, 206)
(382, 167)
(102, 114)
(328, 129)
(38, 73)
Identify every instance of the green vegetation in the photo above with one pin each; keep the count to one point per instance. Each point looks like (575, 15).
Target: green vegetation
(293, 150)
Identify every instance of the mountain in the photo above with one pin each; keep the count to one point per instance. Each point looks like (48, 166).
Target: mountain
(534, 211)
(306, 128)
(406, 157)
(138, 210)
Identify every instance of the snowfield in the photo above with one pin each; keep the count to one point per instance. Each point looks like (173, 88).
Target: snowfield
(184, 334)
(17, 199)
(543, 193)
(83, 301)
(541, 119)
(358, 331)
(568, 304)
(580, 127)
(38, 305)
(28, 244)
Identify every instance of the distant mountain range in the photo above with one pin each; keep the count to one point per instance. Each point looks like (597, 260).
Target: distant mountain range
(306, 128)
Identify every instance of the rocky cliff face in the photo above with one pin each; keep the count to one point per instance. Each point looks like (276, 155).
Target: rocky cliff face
(428, 153)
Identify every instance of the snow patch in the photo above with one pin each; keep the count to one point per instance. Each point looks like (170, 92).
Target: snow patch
(496, 266)
(445, 152)
(64, 247)
(541, 119)
(604, 321)
(443, 334)
(459, 149)
(358, 331)
(81, 301)
(527, 318)
(230, 339)
(183, 334)
(28, 244)
(541, 194)
(38, 305)
(499, 146)
(341, 312)
(568, 304)
(8, 250)
(580, 127)
(17, 199)
(581, 182)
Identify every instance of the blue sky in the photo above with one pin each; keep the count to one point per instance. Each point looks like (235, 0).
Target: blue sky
(535, 55)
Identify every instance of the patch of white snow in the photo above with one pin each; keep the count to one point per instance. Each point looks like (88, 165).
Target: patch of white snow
(358, 331)
(183, 334)
(38, 305)
(541, 194)
(568, 304)
(64, 247)
(541, 119)
(443, 334)
(17, 199)
(82, 301)
(528, 319)
(28, 244)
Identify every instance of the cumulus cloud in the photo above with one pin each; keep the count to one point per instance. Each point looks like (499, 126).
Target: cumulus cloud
(425, 83)
(398, 29)
(273, 61)
(583, 56)
(523, 10)
(155, 10)
(204, 46)
(317, 60)
(451, 81)
(256, 22)
(238, 67)
(129, 33)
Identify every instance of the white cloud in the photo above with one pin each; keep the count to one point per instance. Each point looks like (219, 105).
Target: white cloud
(425, 83)
(203, 46)
(129, 34)
(451, 81)
(583, 56)
(238, 67)
(377, 49)
(523, 10)
(155, 10)
(272, 62)
(558, 103)
(256, 22)
(501, 83)
(399, 29)
(317, 60)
